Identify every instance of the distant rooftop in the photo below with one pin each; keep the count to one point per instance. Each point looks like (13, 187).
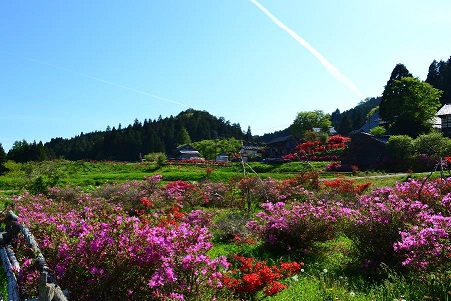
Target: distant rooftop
(445, 110)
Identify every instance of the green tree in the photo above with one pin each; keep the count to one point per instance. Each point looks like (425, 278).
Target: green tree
(248, 137)
(183, 137)
(306, 121)
(206, 148)
(398, 73)
(210, 148)
(389, 105)
(439, 76)
(345, 126)
(158, 158)
(20, 152)
(409, 106)
(378, 131)
(399, 151)
(2, 159)
(434, 145)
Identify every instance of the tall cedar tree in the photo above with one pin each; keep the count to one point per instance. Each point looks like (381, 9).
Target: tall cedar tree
(2, 158)
(410, 106)
(439, 76)
(390, 104)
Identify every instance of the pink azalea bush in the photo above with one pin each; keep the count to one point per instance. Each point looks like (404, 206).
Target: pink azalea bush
(404, 226)
(98, 252)
(296, 226)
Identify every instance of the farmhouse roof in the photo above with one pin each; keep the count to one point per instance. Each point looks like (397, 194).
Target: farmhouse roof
(445, 110)
(372, 122)
(185, 147)
(382, 139)
(332, 130)
(281, 139)
(189, 152)
(249, 147)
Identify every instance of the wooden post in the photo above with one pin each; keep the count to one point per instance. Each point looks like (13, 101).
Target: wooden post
(49, 289)
(46, 290)
(13, 289)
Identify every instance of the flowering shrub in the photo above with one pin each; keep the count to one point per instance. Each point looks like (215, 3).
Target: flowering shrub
(229, 226)
(426, 246)
(185, 193)
(338, 167)
(403, 226)
(27, 274)
(220, 195)
(253, 191)
(344, 188)
(197, 162)
(249, 277)
(306, 180)
(296, 226)
(318, 151)
(99, 253)
(129, 193)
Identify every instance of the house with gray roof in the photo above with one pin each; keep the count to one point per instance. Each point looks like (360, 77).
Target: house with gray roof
(186, 152)
(445, 116)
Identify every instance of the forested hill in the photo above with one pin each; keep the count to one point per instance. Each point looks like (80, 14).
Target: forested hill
(354, 118)
(162, 135)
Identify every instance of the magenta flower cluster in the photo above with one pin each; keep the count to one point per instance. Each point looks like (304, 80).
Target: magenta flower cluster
(99, 253)
(296, 226)
(405, 226)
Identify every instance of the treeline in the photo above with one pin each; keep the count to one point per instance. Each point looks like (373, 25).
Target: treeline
(355, 118)
(439, 76)
(127, 144)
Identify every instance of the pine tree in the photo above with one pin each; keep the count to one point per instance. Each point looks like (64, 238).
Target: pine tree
(345, 126)
(390, 104)
(2, 159)
(248, 137)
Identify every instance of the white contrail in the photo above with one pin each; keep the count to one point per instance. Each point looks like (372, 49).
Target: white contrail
(329, 67)
(99, 80)
(133, 90)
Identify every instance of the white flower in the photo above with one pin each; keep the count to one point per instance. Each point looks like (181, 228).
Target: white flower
(352, 294)
(325, 271)
(302, 270)
(295, 278)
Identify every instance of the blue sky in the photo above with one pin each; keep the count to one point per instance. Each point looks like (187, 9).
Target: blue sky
(79, 66)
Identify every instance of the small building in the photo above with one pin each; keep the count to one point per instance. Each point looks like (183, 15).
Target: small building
(249, 151)
(445, 117)
(186, 152)
(365, 151)
(222, 157)
(331, 131)
(281, 146)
